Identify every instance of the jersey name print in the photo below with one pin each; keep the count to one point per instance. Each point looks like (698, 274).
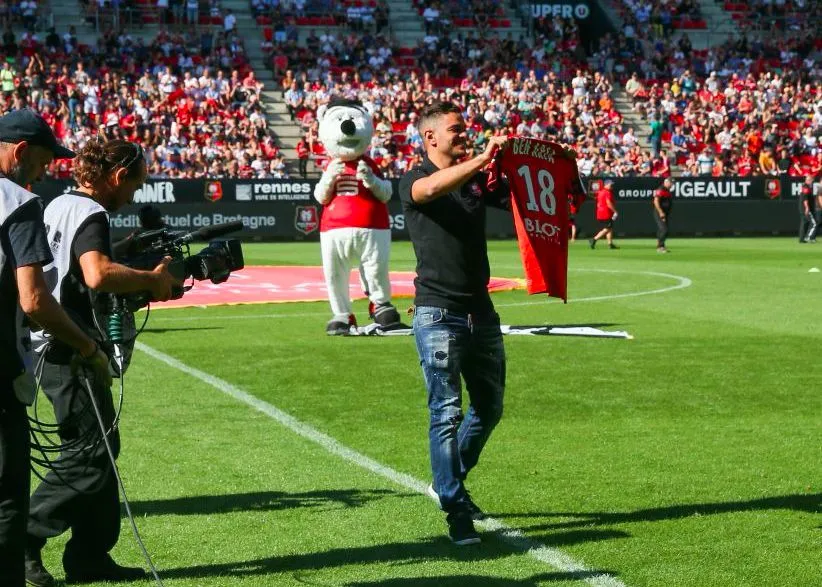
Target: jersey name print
(543, 178)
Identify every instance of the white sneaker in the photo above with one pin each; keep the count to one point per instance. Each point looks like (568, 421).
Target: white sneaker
(433, 495)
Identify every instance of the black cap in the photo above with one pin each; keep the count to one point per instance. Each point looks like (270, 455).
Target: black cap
(26, 125)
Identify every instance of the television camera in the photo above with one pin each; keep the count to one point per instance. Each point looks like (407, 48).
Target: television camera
(144, 250)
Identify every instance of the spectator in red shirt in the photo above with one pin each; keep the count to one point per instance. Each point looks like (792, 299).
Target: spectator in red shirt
(303, 153)
(745, 164)
(661, 166)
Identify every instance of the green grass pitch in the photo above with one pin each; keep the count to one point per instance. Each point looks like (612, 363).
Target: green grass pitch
(689, 456)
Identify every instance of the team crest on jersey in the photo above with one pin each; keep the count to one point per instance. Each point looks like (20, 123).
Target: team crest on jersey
(213, 191)
(306, 220)
(475, 190)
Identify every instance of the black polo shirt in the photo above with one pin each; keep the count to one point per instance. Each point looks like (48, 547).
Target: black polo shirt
(448, 235)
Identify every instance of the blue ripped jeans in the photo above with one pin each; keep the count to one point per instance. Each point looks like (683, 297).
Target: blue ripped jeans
(450, 345)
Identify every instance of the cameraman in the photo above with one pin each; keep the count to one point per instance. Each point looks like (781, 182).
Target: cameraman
(27, 146)
(84, 496)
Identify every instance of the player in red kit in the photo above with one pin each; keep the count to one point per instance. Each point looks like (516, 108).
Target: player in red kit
(606, 213)
(663, 201)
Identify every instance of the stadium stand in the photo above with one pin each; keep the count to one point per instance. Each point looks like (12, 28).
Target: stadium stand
(503, 85)
(715, 105)
(662, 16)
(747, 107)
(194, 105)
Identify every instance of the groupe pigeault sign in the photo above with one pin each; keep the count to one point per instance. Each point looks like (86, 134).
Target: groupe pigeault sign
(705, 188)
(285, 209)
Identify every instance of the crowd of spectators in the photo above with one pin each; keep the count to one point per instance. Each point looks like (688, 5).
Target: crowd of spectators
(546, 104)
(441, 17)
(26, 13)
(192, 101)
(769, 15)
(659, 18)
(542, 89)
(357, 15)
(747, 107)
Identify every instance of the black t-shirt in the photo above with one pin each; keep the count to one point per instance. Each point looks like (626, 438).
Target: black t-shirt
(807, 196)
(93, 235)
(24, 241)
(448, 235)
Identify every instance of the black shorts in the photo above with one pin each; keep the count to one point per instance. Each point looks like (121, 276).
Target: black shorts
(606, 223)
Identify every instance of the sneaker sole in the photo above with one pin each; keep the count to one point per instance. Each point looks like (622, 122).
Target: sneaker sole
(467, 541)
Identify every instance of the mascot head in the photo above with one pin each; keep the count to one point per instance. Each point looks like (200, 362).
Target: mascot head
(346, 128)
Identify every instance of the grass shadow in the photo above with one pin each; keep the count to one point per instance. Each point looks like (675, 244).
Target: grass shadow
(260, 501)
(181, 329)
(480, 581)
(432, 549)
(810, 503)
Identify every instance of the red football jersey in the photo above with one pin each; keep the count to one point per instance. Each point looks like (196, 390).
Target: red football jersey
(353, 206)
(543, 177)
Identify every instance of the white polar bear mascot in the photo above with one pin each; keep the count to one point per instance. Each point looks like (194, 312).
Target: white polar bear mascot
(354, 227)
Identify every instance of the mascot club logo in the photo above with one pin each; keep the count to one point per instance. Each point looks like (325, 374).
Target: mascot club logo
(213, 191)
(306, 220)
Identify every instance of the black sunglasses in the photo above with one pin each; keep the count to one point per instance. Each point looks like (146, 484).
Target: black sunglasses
(129, 160)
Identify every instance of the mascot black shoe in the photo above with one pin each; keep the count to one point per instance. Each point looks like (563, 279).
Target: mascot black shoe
(386, 316)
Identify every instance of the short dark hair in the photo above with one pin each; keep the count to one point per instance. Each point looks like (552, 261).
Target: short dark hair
(434, 111)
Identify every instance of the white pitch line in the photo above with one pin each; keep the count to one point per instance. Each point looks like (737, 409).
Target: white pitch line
(682, 283)
(553, 557)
